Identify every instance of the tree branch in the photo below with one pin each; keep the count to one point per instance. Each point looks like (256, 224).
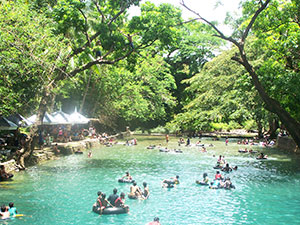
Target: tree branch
(117, 15)
(86, 28)
(98, 61)
(99, 10)
(221, 35)
(81, 49)
(246, 32)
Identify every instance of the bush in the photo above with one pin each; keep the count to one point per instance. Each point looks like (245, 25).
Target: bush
(250, 125)
(159, 129)
(219, 126)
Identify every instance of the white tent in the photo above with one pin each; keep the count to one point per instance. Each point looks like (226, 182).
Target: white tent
(47, 120)
(5, 124)
(18, 120)
(61, 118)
(77, 118)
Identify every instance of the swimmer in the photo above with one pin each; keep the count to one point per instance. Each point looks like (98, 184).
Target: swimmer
(127, 177)
(12, 210)
(4, 212)
(227, 168)
(205, 178)
(170, 183)
(154, 222)
(135, 190)
(218, 175)
(146, 192)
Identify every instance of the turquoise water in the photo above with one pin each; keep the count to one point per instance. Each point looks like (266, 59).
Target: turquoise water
(63, 191)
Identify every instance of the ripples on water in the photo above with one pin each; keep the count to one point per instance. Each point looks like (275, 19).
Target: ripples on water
(63, 191)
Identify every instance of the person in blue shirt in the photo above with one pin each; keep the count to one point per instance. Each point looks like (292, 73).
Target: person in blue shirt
(12, 210)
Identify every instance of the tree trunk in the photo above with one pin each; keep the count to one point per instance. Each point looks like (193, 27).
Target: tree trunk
(292, 126)
(273, 126)
(28, 150)
(260, 129)
(85, 93)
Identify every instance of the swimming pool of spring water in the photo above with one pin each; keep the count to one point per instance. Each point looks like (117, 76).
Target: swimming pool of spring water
(63, 191)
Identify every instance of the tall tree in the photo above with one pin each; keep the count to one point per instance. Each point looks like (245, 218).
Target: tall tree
(258, 8)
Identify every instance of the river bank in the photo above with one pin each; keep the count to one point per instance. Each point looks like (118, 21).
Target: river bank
(49, 153)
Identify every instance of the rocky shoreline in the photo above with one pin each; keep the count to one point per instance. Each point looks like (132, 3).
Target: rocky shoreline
(48, 153)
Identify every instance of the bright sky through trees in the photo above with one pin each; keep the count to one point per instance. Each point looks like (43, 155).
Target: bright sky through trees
(213, 10)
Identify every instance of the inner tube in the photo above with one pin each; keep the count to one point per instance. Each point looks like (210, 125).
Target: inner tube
(9, 178)
(253, 152)
(164, 150)
(170, 184)
(218, 167)
(125, 181)
(242, 151)
(201, 183)
(78, 152)
(111, 210)
(261, 158)
(200, 145)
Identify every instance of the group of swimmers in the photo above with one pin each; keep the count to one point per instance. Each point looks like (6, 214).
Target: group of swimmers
(218, 182)
(136, 191)
(114, 200)
(8, 211)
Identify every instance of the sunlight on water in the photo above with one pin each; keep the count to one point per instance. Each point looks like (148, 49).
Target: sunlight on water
(63, 191)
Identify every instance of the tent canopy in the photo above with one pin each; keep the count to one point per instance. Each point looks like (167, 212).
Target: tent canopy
(61, 118)
(47, 120)
(77, 118)
(18, 120)
(6, 124)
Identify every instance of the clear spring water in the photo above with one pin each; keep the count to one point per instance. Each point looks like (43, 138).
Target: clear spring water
(63, 191)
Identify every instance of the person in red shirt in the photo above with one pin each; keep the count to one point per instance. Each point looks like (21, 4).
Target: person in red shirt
(120, 202)
(218, 175)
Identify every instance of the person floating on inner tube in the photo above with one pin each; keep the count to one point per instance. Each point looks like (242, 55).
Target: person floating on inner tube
(154, 222)
(171, 182)
(113, 197)
(227, 168)
(205, 178)
(218, 176)
(4, 214)
(228, 184)
(120, 202)
(4, 174)
(262, 156)
(146, 191)
(135, 190)
(98, 201)
(215, 184)
(127, 177)
(12, 210)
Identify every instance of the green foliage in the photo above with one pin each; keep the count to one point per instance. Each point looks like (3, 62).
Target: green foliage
(278, 35)
(193, 49)
(224, 98)
(250, 125)
(29, 51)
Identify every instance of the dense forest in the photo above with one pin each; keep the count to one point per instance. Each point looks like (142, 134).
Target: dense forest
(155, 69)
